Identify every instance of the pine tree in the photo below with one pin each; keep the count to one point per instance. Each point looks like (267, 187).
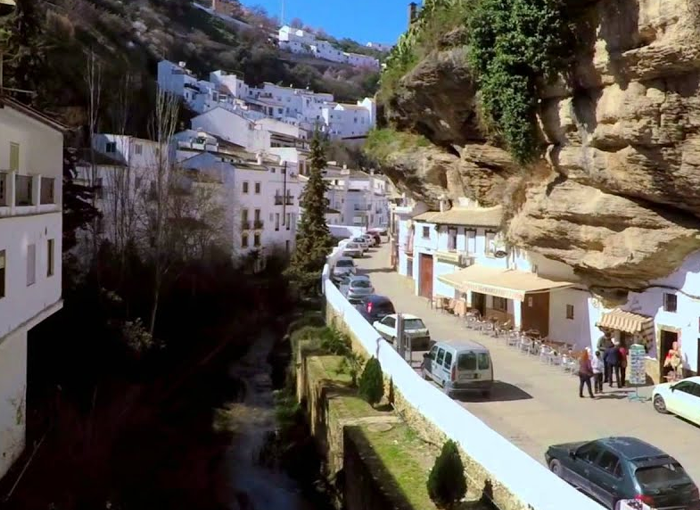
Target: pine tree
(26, 50)
(371, 385)
(446, 482)
(314, 241)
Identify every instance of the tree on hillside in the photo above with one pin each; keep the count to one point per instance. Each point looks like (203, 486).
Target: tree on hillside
(314, 240)
(78, 211)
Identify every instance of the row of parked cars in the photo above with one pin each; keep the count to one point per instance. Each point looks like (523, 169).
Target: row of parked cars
(611, 470)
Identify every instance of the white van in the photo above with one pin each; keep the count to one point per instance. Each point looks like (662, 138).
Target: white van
(459, 367)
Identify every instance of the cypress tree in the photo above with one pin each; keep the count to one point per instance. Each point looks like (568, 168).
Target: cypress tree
(371, 385)
(313, 241)
(446, 482)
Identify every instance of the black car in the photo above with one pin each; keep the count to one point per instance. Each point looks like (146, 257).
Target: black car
(617, 468)
(375, 308)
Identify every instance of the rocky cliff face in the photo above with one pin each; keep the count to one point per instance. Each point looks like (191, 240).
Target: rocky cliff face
(618, 194)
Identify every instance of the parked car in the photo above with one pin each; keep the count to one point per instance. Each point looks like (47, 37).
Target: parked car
(618, 468)
(343, 268)
(361, 241)
(681, 398)
(458, 367)
(375, 307)
(370, 239)
(353, 250)
(376, 236)
(382, 231)
(413, 327)
(359, 287)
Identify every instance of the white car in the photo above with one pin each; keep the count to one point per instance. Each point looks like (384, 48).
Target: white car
(370, 239)
(353, 250)
(413, 326)
(364, 242)
(681, 398)
(343, 267)
(358, 287)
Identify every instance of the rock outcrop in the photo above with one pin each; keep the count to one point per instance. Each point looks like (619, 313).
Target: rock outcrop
(617, 195)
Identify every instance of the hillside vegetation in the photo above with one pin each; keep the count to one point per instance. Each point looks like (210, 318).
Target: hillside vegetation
(129, 38)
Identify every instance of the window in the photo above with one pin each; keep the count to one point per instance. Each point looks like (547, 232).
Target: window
(411, 324)
(667, 475)
(570, 312)
(471, 241)
(244, 215)
(245, 186)
(484, 361)
(448, 360)
(138, 149)
(244, 241)
(609, 463)
(452, 239)
(257, 215)
(670, 302)
(50, 257)
(111, 147)
(289, 220)
(390, 322)
(2, 273)
(467, 361)
(31, 264)
(433, 353)
(426, 232)
(488, 248)
(257, 188)
(500, 303)
(277, 221)
(256, 240)
(588, 452)
(14, 157)
(440, 356)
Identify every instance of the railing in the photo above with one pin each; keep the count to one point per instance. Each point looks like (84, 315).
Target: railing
(23, 190)
(245, 225)
(258, 224)
(47, 191)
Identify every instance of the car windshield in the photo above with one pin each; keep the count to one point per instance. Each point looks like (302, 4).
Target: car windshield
(345, 263)
(666, 475)
(351, 246)
(413, 324)
(467, 361)
(362, 284)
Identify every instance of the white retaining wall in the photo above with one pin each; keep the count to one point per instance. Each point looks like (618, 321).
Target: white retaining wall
(522, 475)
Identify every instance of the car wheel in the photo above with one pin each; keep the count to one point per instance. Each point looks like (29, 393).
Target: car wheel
(555, 467)
(660, 404)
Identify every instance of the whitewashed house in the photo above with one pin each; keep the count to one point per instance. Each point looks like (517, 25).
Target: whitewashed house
(348, 120)
(302, 42)
(384, 48)
(31, 170)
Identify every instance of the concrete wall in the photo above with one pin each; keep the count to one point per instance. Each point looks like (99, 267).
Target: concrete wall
(13, 382)
(517, 479)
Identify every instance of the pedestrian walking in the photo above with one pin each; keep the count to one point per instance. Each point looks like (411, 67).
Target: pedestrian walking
(623, 364)
(604, 342)
(585, 373)
(597, 365)
(611, 357)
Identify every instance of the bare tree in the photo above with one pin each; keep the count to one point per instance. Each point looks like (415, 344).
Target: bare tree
(161, 130)
(296, 23)
(93, 81)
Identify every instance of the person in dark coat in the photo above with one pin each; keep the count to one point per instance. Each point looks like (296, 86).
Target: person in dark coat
(604, 342)
(612, 364)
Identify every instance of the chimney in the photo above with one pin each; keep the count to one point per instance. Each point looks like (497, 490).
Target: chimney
(412, 12)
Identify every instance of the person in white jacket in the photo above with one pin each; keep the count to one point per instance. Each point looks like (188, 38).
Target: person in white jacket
(597, 365)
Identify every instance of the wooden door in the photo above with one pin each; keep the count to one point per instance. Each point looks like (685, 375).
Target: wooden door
(535, 313)
(426, 276)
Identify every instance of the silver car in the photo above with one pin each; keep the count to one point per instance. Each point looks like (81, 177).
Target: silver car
(353, 250)
(359, 287)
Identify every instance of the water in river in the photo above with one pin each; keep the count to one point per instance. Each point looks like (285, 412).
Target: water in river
(254, 485)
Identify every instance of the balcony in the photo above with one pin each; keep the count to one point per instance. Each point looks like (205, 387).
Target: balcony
(258, 224)
(245, 224)
(27, 191)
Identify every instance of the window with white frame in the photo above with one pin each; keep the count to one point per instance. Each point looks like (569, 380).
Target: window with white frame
(570, 312)
(670, 302)
(426, 232)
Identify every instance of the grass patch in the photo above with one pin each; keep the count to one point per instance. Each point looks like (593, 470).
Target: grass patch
(381, 143)
(400, 460)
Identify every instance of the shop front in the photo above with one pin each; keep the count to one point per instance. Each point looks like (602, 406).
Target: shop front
(633, 328)
(519, 298)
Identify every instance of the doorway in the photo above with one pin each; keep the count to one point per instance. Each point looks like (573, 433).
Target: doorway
(666, 340)
(426, 276)
(479, 302)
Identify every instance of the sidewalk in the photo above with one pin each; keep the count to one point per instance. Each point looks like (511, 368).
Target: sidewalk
(535, 405)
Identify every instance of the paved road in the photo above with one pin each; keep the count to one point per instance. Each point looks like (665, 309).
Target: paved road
(535, 405)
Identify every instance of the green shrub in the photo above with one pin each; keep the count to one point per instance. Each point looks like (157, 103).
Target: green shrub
(311, 334)
(314, 319)
(446, 482)
(334, 341)
(381, 143)
(371, 386)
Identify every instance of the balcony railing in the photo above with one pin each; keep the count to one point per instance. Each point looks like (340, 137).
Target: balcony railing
(23, 190)
(47, 191)
(245, 225)
(258, 224)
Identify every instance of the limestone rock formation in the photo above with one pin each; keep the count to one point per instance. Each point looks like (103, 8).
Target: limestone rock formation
(617, 195)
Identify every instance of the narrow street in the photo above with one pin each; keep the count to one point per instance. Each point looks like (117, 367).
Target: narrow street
(533, 404)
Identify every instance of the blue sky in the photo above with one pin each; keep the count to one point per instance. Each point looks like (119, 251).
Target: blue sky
(363, 20)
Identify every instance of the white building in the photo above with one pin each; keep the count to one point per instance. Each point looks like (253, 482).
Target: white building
(31, 171)
(384, 48)
(302, 108)
(302, 42)
(460, 254)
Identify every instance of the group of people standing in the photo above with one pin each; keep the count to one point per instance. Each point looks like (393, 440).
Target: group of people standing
(610, 360)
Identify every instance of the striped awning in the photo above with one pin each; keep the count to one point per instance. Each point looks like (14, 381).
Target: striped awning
(627, 322)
